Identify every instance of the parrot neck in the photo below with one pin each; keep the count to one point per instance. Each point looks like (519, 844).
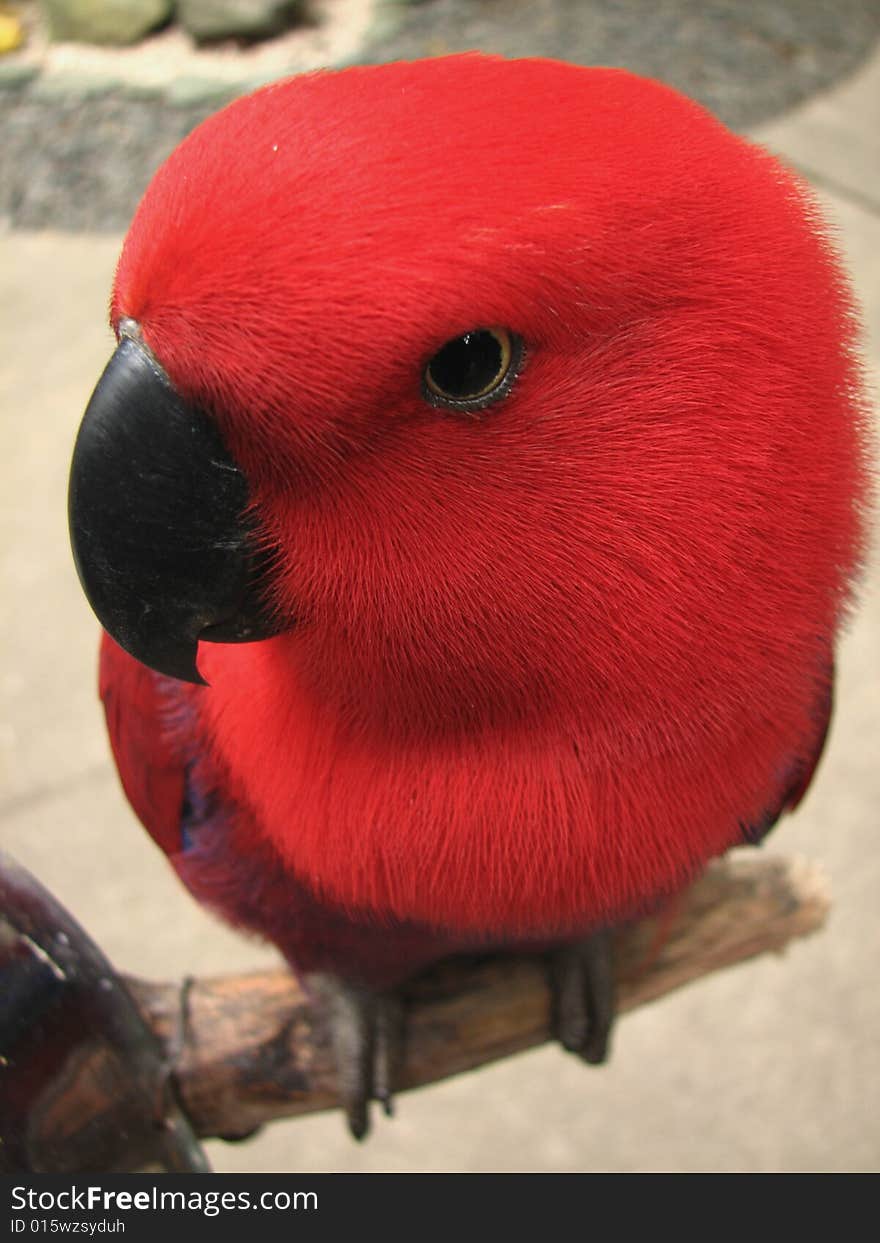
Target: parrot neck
(406, 693)
(521, 831)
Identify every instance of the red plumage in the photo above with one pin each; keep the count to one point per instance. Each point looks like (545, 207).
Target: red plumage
(549, 658)
(149, 768)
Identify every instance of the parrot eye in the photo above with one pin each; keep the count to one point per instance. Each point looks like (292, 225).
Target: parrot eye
(473, 370)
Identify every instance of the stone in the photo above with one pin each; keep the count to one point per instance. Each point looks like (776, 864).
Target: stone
(61, 85)
(17, 73)
(209, 20)
(190, 91)
(113, 22)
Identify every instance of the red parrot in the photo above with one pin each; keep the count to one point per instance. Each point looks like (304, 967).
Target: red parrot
(474, 499)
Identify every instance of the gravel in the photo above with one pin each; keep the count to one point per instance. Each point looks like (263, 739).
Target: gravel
(77, 152)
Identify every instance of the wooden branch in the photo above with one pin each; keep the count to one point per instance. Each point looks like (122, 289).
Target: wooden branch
(83, 1083)
(247, 1049)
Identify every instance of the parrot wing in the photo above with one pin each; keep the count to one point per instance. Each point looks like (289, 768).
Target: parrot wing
(153, 775)
(215, 849)
(800, 776)
(808, 770)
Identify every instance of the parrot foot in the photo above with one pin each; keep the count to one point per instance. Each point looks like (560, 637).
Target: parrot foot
(366, 1032)
(582, 989)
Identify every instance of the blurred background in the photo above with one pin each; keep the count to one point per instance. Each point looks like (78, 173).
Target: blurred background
(769, 1066)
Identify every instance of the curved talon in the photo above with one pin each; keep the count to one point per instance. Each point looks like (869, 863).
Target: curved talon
(366, 1029)
(582, 985)
(388, 1049)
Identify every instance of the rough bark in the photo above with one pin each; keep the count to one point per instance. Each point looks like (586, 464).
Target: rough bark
(247, 1049)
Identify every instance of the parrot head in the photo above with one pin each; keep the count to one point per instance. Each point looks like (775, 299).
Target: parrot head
(483, 391)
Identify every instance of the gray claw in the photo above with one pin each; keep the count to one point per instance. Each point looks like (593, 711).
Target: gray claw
(582, 983)
(367, 1033)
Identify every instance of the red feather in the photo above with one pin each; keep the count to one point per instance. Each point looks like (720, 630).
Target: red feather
(551, 659)
(152, 775)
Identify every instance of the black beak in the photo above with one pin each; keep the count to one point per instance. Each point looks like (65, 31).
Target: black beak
(163, 546)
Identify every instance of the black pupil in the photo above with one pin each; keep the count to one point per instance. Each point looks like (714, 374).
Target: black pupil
(467, 366)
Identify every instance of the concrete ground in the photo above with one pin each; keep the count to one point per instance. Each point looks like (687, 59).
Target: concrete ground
(771, 1066)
